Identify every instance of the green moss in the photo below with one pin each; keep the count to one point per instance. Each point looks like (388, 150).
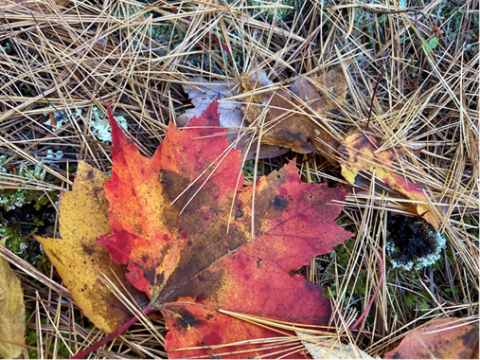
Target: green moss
(26, 247)
(26, 212)
(355, 290)
(11, 199)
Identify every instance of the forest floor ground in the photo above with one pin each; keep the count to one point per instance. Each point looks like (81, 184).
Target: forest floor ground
(61, 63)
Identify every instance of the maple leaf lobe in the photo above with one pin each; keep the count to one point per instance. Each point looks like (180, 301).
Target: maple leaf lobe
(80, 260)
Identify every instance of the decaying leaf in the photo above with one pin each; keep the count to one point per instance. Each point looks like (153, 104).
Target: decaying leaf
(80, 261)
(321, 348)
(360, 155)
(12, 313)
(323, 93)
(198, 254)
(230, 112)
(285, 125)
(440, 339)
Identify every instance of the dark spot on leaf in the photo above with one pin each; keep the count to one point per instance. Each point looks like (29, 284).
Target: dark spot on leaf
(88, 250)
(200, 278)
(239, 213)
(162, 178)
(362, 144)
(259, 261)
(279, 202)
(186, 319)
(470, 338)
(209, 316)
(90, 175)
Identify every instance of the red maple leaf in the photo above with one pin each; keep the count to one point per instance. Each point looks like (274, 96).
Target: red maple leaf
(182, 222)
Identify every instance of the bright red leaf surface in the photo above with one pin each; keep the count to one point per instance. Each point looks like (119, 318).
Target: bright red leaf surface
(195, 261)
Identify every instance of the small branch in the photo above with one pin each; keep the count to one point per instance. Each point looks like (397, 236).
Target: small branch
(373, 97)
(112, 335)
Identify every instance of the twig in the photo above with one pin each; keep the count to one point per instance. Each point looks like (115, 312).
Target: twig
(382, 275)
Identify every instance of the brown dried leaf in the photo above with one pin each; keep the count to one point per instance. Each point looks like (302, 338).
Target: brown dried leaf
(323, 94)
(440, 339)
(332, 88)
(283, 125)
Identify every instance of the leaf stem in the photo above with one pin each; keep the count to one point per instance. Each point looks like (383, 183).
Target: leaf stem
(382, 275)
(373, 97)
(112, 335)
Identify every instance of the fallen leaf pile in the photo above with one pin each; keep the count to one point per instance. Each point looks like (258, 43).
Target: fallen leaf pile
(287, 124)
(180, 233)
(181, 223)
(289, 121)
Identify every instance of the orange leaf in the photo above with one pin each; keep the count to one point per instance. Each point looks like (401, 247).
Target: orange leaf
(193, 258)
(360, 155)
(440, 339)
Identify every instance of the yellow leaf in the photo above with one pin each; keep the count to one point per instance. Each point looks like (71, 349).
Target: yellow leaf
(12, 313)
(79, 260)
(360, 155)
